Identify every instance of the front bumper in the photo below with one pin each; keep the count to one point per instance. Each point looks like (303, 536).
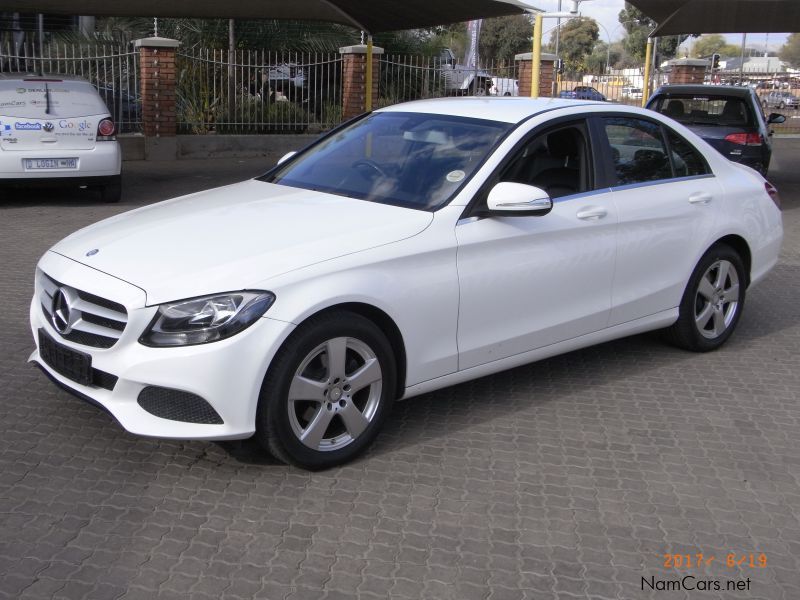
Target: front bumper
(226, 374)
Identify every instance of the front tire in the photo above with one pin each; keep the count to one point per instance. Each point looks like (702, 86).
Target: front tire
(327, 392)
(712, 303)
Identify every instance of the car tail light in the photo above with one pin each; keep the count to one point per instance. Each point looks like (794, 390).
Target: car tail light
(745, 139)
(772, 191)
(105, 130)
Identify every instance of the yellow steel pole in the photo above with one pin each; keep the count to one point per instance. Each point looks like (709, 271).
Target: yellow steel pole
(647, 60)
(536, 60)
(368, 101)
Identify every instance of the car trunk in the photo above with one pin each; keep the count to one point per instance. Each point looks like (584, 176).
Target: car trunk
(716, 136)
(41, 114)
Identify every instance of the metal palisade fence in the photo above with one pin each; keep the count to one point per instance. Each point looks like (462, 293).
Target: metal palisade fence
(113, 70)
(623, 87)
(413, 77)
(260, 91)
(256, 91)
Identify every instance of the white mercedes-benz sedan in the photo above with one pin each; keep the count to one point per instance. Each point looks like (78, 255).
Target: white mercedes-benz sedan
(413, 248)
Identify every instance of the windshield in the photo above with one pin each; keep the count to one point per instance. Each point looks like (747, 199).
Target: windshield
(407, 159)
(690, 109)
(49, 99)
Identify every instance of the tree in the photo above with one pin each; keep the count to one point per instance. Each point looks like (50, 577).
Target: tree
(715, 43)
(638, 27)
(578, 38)
(615, 55)
(790, 52)
(504, 37)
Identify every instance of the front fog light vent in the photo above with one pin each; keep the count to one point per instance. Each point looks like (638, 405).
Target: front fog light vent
(176, 405)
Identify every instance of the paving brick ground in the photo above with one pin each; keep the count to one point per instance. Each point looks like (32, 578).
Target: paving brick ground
(570, 478)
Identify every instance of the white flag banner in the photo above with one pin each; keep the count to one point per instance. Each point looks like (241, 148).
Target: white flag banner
(473, 35)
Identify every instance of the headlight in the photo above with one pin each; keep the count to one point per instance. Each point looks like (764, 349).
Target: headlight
(206, 319)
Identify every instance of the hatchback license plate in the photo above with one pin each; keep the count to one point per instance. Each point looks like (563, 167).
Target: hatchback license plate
(36, 164)
(65, 361)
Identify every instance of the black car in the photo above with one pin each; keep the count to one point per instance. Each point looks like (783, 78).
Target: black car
(729, 118)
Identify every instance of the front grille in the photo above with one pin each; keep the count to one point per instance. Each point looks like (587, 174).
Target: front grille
(95, 321)
(176, 405)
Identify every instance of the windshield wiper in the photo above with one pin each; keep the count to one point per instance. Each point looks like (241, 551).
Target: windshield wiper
(47, 98)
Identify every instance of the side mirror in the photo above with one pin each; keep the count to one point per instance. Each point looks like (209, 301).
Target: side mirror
(286, 157)
(518, 200)
(776, 118)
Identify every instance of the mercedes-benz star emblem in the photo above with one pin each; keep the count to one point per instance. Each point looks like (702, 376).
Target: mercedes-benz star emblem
(60, 315)
(48, 127)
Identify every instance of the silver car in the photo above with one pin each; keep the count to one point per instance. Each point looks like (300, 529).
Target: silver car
(780, 100)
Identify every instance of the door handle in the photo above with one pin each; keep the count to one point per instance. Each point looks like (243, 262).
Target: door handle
(700, 198)
(591, 213)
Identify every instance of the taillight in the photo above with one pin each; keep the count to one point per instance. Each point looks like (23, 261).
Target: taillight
(745, 139)
(772, 191)
(105, 129)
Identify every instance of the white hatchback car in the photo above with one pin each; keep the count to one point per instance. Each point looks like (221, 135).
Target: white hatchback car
(632, 93)
(503, 86)
(417, 247)
(56, 129)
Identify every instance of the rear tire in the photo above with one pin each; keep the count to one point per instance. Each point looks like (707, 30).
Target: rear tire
(327, 392)
(112, 192)
(712, 303)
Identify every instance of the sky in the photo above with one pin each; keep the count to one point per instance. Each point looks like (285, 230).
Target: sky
(606, 12)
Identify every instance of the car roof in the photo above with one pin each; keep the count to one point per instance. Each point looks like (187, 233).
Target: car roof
(508, 109)
(713, 90)
(40, 77)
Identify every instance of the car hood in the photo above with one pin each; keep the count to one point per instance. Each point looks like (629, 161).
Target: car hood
(234, 237)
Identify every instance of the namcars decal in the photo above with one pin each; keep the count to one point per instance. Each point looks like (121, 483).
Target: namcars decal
(12, 103)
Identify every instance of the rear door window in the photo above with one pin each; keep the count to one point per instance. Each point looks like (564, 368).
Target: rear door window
(686, 160)
(38, 99)
(638, 150)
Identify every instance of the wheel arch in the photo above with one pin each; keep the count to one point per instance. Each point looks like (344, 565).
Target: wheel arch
(742, 248)
(386, 324)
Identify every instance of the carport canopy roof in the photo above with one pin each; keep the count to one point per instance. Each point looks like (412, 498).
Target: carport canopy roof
(373, 16)
(721, 16)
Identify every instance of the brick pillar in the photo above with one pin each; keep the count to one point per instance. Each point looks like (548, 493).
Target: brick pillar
(546, 74)
(354, 79)
(157, 85)
(688, 70)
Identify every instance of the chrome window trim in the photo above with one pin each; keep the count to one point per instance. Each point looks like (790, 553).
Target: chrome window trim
(631, 186)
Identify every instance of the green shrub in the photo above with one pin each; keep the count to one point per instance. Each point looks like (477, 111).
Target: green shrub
(253, 115)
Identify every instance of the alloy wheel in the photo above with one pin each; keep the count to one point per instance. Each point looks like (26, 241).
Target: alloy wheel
(335, 394)
(717, 299)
